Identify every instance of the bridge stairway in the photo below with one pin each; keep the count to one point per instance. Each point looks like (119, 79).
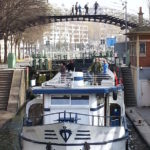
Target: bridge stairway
(129, 94)
(5, 85)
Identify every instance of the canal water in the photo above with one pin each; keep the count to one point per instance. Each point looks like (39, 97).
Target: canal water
(135, 141)
(9, 135)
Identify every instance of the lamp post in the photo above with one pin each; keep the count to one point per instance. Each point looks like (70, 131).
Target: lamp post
(0, 53)
(124, 3)
(49, 48)
(126, 27)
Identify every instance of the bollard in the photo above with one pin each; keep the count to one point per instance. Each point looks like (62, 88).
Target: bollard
(40, 63)
(46, 63)
(34, 63)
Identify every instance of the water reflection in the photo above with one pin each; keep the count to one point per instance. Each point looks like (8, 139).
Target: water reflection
(9, 135)
(135, 141)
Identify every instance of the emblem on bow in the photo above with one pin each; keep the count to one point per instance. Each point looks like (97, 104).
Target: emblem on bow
(65, 133)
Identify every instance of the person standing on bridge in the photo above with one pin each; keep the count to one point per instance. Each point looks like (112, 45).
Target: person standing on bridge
(80, 12)
(96, 5)
(76, 8)
(86, 9)
(72, 10)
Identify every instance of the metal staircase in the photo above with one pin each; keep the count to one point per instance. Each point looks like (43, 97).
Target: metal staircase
(5, 85)
(129, 94)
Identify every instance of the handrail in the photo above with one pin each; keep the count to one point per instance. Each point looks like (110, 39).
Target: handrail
(20, 89)
(73, 117)
(132, 18)
(66, 79)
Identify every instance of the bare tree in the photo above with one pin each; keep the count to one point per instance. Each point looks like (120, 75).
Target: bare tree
(35, 34)
(15, 15)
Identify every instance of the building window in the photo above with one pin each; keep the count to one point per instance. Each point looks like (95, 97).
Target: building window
(142, 49)
(132, 49)
(102, 41)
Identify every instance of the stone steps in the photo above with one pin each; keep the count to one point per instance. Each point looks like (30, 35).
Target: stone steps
(130, 99)
(2, 85)
(5, 85)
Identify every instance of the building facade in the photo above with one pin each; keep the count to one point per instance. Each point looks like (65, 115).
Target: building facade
(66, 40)
(140, 61)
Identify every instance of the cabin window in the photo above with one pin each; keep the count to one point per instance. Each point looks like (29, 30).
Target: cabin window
(100, 99)
(80, 100)
(142, 48)
(60, 100)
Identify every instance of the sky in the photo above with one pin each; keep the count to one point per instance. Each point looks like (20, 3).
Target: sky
(132, 5)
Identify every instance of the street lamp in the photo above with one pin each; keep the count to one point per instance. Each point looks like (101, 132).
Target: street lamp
(49, 44)
(124, 3)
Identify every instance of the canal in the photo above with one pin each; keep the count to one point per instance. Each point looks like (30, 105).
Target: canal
(9, 135)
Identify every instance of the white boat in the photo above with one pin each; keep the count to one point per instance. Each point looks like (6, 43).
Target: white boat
(77, 115)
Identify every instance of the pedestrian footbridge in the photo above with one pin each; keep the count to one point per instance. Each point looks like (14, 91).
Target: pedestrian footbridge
(104, 15)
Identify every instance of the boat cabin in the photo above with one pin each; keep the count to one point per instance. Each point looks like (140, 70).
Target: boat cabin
(80, 103)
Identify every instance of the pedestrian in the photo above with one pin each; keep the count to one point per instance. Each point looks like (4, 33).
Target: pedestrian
(129, 65)
(96, 69)
(76, 8)
(63, 71)
(105, 67)
(70, 66)
(79, 8)
(72, 10)
(62, 68)
(86, 9)
(116, 78)
(96, 5)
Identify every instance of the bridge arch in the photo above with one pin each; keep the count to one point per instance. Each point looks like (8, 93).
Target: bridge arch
(91, 18)
(104, 15)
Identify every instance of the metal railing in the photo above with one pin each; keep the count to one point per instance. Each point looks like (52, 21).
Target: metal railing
(132, 17)
(66, 79)
(77, 118)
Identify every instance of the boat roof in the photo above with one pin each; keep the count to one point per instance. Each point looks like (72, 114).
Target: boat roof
(79, 90)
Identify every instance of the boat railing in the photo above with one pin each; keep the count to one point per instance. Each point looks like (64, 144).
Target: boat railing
(96, 78)
(66, 79)
(77, 118)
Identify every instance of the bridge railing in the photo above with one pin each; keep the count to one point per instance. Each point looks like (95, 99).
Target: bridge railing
(106, 11)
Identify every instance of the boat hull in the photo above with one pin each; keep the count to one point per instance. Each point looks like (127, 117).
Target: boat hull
(116, 146)
(69, 136)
